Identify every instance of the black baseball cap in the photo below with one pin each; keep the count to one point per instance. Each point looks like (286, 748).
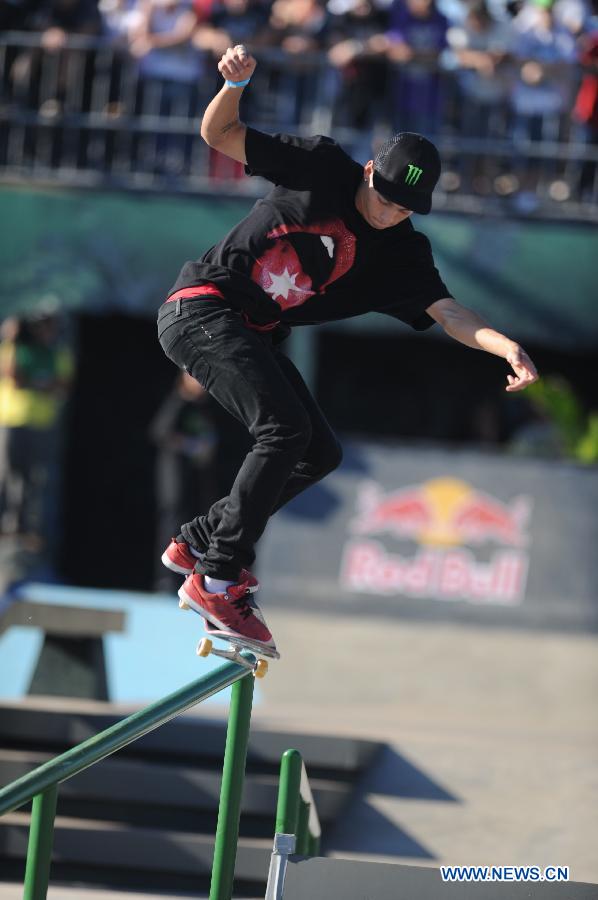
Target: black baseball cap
(406, 170)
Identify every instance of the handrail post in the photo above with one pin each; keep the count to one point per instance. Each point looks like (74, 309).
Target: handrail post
(39, 849)
(297, 828)
(287, 810)
(233, 774)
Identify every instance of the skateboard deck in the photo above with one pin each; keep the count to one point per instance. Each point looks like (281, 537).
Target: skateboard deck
(235, 647)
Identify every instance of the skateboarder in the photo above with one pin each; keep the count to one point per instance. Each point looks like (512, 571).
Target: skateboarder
(330, 241)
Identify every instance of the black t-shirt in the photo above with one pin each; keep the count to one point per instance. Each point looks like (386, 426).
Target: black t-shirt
(304, 254)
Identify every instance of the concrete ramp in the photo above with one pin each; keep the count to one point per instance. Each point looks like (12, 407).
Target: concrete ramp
(344, 879)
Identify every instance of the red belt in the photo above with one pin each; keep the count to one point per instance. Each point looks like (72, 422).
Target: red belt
(203, 290)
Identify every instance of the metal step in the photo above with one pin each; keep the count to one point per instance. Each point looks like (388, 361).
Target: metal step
(14, 891)
(344, 879)
(165, 787)
(146, 817)
(113, 845)
(56, 726)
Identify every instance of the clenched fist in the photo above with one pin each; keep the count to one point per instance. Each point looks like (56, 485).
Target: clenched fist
(237, 64)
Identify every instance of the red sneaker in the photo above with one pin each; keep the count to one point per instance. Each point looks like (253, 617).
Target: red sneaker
(178, 558)
(234, 613)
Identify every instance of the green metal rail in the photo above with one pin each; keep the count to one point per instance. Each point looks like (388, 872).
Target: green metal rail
(296, 811)
(297, 824)
(41, 785)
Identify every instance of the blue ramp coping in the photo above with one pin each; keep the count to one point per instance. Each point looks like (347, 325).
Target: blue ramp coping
(153, 656)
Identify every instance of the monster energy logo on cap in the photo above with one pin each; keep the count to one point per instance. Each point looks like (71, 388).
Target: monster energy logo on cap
(406, 169)
(413, 174)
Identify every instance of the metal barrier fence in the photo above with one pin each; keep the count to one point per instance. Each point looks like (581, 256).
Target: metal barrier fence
(41, 785)
(89, 114)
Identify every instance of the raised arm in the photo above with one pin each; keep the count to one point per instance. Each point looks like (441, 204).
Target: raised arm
(470, 329)
(221, 127)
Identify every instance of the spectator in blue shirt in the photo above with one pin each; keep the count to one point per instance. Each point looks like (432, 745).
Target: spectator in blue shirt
(416, 39)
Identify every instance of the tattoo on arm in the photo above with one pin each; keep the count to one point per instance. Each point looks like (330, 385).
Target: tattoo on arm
(228, 126)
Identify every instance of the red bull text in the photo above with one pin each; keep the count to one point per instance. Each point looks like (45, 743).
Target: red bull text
(441, 517)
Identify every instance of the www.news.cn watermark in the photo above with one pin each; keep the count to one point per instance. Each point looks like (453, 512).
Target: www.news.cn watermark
(504, 873)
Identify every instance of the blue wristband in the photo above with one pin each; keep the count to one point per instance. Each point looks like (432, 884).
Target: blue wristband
(237, 83)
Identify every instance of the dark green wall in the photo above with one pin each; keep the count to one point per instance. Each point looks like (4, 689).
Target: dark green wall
(120, 251)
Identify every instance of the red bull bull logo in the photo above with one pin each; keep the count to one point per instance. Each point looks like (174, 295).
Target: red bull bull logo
(443, 517)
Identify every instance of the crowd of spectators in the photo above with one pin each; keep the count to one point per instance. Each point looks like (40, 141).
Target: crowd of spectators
(487, 69)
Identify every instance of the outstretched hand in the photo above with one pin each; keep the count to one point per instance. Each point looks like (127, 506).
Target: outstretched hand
(237, 64)
(524, 369)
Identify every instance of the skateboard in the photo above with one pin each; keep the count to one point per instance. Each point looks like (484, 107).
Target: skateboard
(234, 649)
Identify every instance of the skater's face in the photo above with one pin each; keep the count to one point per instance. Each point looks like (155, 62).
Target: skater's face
(378, 212)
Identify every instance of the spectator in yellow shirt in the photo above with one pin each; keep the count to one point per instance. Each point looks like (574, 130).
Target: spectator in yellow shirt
(35, 373)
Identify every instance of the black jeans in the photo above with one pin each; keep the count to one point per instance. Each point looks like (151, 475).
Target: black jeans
(294, 445)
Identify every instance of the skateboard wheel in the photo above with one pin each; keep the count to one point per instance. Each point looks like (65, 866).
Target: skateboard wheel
(204, 648)
(261, 668)
(183, 604)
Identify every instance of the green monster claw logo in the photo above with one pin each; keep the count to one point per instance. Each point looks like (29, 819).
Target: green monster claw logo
(413, 174)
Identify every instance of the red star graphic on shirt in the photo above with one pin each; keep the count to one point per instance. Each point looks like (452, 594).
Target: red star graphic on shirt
(279, 271)
(281, 275)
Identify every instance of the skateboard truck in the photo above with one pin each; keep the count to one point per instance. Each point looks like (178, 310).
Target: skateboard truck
(259, 667)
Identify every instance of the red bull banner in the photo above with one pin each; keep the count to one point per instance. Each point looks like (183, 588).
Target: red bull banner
(424, 532)
(449, 521)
